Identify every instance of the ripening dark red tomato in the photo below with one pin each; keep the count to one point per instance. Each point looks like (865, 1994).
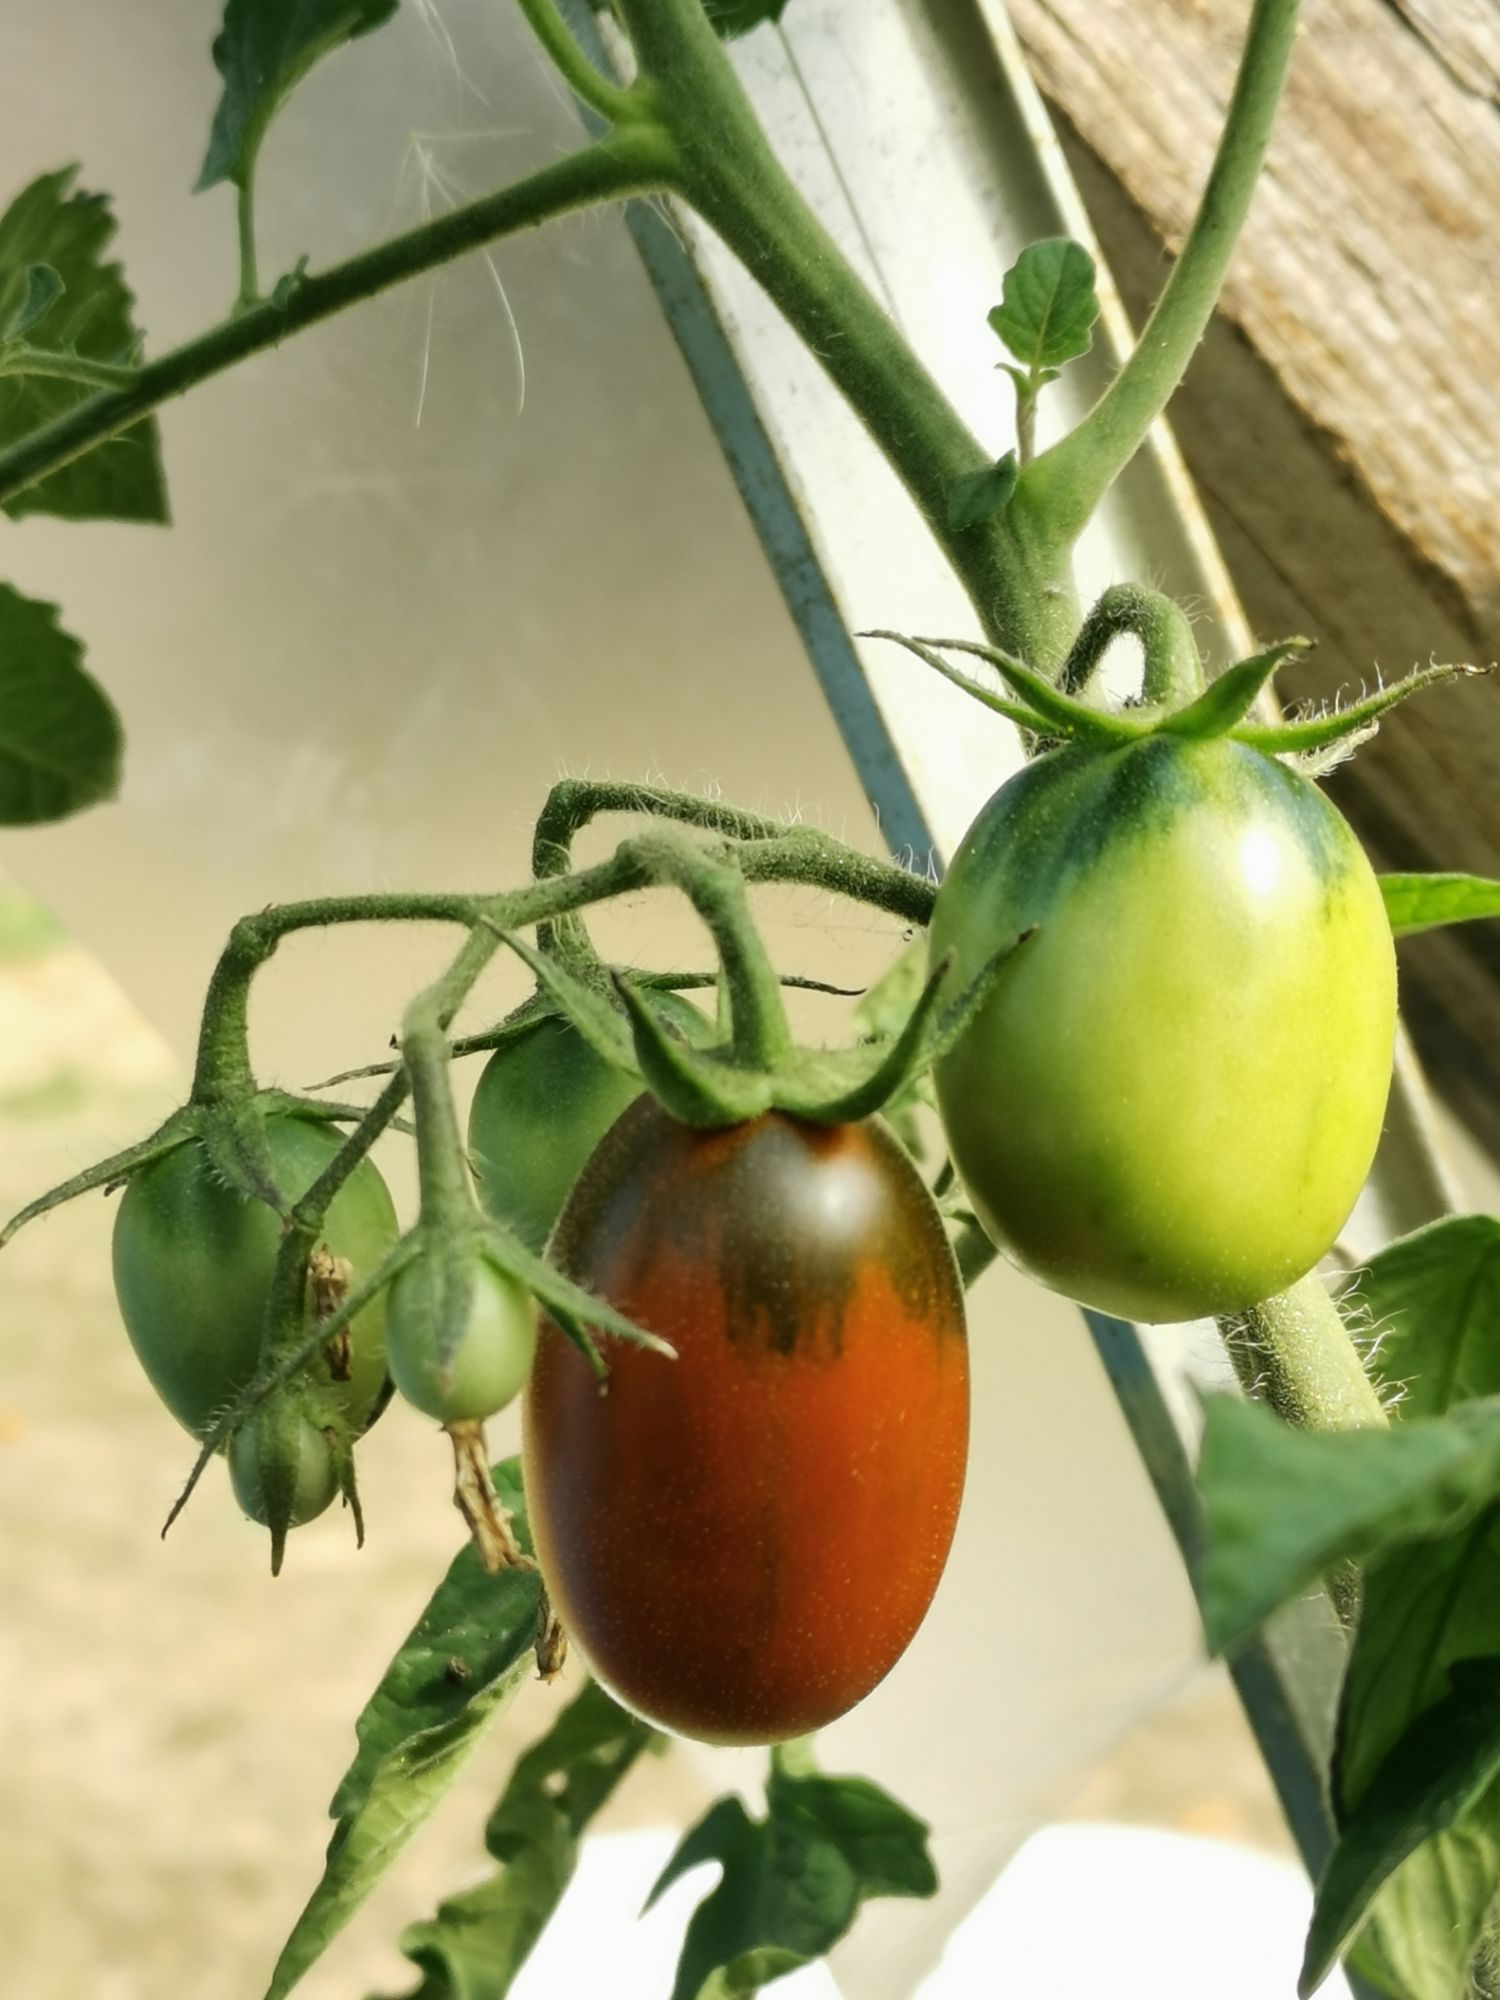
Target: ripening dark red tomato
(743, 1541)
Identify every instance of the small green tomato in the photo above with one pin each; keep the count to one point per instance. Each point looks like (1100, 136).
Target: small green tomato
(493, 1359)
(309, 1466)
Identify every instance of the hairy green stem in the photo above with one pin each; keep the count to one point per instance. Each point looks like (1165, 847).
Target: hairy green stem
(730, 175)
(715, 884)
(634, 160)
(442, 1173)
(1059, 491)
(1173, 671)
(1294, 1353)
(244, 215)
(614, 105)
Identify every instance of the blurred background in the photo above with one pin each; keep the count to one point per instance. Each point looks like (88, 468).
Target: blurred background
(424, 561)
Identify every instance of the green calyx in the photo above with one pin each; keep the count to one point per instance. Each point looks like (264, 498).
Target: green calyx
(1175, 701)
(734, 1080)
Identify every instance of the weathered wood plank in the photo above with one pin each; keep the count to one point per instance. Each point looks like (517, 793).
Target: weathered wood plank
(1368, 272)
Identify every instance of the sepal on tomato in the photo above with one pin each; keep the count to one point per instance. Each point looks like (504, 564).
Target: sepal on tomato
(288, 1462)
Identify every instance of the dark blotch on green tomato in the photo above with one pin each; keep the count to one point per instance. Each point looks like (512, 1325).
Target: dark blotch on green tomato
(1169, 1104)
(493, 1359)
(743, 1541)
(193, 1262)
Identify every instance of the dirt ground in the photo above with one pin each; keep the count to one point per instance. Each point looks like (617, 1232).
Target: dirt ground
(172, 1724)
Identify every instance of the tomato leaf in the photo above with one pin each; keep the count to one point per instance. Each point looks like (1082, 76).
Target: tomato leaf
(1435, 1771)
(793, 1882)
(454, 1672)
(60, 738)
(1283, 1507)
(1422, 902)
(738, 17)
(1048, 305)
(263, 51)
(1432, 1300)
(478, 1942)
(56, 286)
(978, 496)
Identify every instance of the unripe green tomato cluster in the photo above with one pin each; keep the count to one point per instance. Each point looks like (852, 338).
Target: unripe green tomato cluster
(1170, 1101)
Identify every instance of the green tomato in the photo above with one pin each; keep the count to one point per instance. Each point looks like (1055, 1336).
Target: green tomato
(493, 1359)
(312, 1471)
(543, 1103)
(1168, 1105)
(193, 1261)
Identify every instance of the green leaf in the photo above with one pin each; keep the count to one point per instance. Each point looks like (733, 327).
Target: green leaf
(980, 495)
(59, 736)
(792, 1883)
(454, 1672)
(263, 51)
(477, 1943)
(54, 227)
(1283, 1507)
(1436, 1770)
(738, 17)
(1422, 902)
(1048, 304)
(1424, 1609)
(1432, 1302)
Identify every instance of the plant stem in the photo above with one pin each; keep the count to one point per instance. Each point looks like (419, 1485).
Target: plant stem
(1173, 672)
(1059, 491)
(614, 105)
(635, 160)
(1293, 1352)
(443, 1175)
(245, 219)
(729, 174)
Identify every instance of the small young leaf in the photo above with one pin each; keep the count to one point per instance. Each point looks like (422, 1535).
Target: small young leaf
(1422, 902)
(980, 495)
(40, 293)
(792, 1883)
(1434, 1773)
(1048, 304)
(738, 17)
(263, 51)
(478, 1942)
(54, 227)
(59, 736)
(455, 1671)
(1283, 1507)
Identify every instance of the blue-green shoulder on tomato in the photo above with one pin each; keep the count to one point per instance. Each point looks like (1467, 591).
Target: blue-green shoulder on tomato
(1168, 1106)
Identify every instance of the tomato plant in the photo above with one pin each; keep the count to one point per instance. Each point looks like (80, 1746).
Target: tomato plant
(193, 1260)
(1168, 1105)
(1160, 1015)
(743, 1541)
